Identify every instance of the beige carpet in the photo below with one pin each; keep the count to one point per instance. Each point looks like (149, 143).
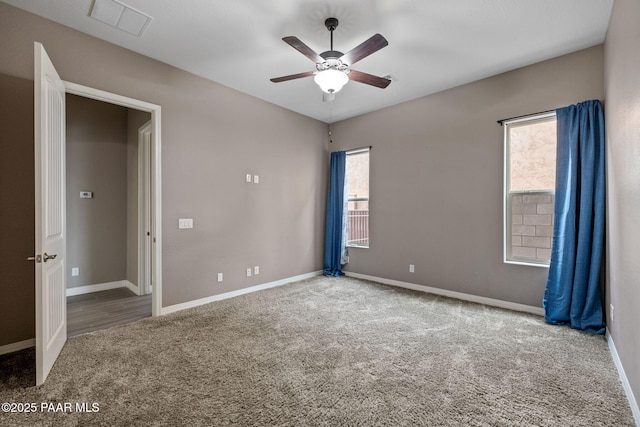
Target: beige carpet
(331, 352)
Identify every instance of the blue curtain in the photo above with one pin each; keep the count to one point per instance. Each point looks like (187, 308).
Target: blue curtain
(334, 242)
(573, 294)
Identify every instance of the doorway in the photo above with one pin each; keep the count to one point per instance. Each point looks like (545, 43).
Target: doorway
(149, 165)
(50, 212)
(108, 204)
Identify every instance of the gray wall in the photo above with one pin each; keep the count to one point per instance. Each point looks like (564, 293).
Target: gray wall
(96, 161)
(211, 137)
(622, 109)
(17, 293)
(436, 178)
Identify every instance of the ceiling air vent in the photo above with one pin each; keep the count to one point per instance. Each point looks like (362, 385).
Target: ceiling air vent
(119, 15)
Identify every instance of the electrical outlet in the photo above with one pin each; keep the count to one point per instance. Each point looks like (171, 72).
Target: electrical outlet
(256, 179)
(220, 277)
(248, 177)
(75, 271)
(412, 268)
(256, 270)
(249, 272)
(611, 312)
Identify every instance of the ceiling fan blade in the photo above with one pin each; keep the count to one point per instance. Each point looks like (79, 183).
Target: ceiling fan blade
(298, 45)
(364, 49)
(328, 97)
(292, 77)
(369, 79)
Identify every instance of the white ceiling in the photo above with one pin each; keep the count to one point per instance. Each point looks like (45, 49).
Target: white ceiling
(433, 44)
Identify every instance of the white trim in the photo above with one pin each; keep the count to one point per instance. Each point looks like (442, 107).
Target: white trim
(156, 175)
(108, 97)
(528, 264)
(17, 346)
(156, 213)
(633, 403)
(358, 150)
(529, 117)
(453, 294)
(505, 177)
(219, 297)
(81, 290)
(133, 288)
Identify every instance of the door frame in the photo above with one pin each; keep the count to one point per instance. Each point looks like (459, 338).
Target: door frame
(156, 176)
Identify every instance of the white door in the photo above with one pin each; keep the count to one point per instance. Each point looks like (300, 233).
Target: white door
(49, 124)
(146, 171)
(144, 210)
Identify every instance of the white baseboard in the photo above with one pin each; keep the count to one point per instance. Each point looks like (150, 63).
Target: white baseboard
(81, 290)
(633, 403)
(16, 346)
(133, 288)
(452, 294)
(219, 297)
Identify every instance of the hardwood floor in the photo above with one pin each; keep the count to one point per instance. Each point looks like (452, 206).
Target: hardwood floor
(102, 310)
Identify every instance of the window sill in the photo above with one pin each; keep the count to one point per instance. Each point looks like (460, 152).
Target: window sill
(529, 264)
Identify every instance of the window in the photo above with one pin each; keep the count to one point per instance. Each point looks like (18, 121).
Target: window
(530, 174)
(357, 176)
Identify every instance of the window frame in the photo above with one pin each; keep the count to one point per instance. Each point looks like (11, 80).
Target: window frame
(507, 258)
(362, 199)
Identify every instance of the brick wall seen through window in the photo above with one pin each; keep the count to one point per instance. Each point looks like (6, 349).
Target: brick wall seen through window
(530, 165)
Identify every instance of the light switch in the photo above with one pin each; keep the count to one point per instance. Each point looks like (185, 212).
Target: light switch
(248, 177)
(185, 223)
(256, 179)
(220, 277)
(75, 271)
(256, 270)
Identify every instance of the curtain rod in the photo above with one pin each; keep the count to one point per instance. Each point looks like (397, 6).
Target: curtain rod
(357, 150)
(501, 122)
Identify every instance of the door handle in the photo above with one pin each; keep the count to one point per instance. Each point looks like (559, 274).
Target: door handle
(37, 258)
(46, 257)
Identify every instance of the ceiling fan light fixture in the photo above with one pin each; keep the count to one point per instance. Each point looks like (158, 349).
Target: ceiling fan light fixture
(331, 80)
(333, 68)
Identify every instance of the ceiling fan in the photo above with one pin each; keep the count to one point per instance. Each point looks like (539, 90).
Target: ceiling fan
(333, 68)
